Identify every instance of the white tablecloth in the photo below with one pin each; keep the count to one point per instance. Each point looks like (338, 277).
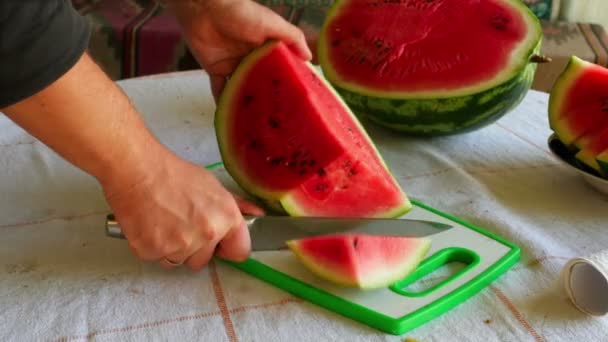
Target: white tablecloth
(63, 280)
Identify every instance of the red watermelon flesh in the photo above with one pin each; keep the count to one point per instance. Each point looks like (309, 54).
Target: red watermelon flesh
(286, 137)
(578, 104)
(358, 260)
(589, 122)
(418, 46)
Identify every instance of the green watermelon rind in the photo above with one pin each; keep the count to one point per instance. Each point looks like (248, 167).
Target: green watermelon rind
(562, 86)
(276, 201)
(588, 159)
(572, 156)
(602, 160)
(443, 116)
(437, 113)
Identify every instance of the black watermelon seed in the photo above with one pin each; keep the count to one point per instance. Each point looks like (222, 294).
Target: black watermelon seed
(276, 161)
(604, 103)
(321, 172)
(312, 162)
(247, 100)
(499, 22)
(273, 123)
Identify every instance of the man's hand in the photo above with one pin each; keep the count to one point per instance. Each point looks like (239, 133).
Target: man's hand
(181, 212)
(221, 32)
(169, 208)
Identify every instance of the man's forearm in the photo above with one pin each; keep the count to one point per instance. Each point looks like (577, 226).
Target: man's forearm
(89, 121)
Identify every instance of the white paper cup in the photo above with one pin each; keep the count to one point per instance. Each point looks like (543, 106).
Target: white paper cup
(586, 283)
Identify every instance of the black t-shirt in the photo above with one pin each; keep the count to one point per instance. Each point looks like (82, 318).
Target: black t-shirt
(40, 40)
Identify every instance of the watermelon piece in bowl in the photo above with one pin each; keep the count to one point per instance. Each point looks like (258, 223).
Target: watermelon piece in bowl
(578, 113)
(578, 102)
(287, 138)
(431, 67)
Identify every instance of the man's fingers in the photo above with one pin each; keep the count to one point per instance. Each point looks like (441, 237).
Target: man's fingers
(247, 207)
(295, 40)
(217, 85)
(201, 257)
(236, 246)
(279, 28)
(180, 257)
(221, 70)
(151, 246)
(168, 263)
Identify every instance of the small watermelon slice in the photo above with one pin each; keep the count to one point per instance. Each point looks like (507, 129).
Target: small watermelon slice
(578, 103)
(286, 137)
(359, 260)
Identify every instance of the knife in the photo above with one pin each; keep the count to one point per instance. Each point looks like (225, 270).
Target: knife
(271, 232)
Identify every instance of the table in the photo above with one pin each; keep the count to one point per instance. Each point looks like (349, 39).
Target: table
(63, 280)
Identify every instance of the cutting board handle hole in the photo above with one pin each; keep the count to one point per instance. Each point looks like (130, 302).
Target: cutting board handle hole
(437, 271)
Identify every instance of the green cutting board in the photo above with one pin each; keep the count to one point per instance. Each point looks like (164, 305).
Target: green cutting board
(398, 308)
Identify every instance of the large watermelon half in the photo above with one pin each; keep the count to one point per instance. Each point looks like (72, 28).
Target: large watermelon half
(578, 110)
(287, 138)
(362, 261)
(430, 67)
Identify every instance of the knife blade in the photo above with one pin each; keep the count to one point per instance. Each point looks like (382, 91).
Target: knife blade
(271, 232)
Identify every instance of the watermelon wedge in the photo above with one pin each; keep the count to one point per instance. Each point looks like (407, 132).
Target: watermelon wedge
(361, 261)
(578, 103)
(287, 138)
(430, 67)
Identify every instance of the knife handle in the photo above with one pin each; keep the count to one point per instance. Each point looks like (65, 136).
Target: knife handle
(114, 230)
